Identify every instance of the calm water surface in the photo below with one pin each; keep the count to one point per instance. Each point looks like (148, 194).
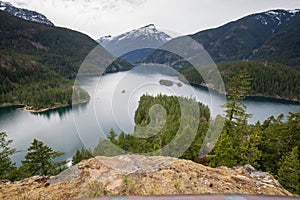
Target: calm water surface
(114, 98)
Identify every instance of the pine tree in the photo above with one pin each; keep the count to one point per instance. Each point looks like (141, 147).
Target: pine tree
(106, 148)
(236, 110)
(289, 171)
(7, 167)
(227, 151)
(250, 152)
(224, 152)
(112, 136)
(81, 155)
(40, 160)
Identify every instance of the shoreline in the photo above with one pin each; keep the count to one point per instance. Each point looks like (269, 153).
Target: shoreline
(283, 100)
(27, 108)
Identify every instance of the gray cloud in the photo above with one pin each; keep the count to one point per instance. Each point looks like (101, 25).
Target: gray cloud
(103, 4)
(21, 3)
(136, 2)
(103, 17)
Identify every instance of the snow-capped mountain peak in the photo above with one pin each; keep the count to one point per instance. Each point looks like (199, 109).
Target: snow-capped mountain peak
(24, 13)
(276, 17)
(144, 37)
(148, 31)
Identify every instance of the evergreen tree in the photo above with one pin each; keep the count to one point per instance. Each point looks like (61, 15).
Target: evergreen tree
(81, 155)
(250, 152)
(236, 110)
(289, 171)
(227, 151)
(112, 136)
(107, 148)
(7, 167)
(271, 144)
(40, 160)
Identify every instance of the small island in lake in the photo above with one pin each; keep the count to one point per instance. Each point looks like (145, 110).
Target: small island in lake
(169, 83)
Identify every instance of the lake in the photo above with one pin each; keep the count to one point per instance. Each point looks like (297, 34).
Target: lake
(114, 99)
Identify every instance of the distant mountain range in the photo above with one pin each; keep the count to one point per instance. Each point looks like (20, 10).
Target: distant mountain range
(24, 13)
(272, 36)
(135, 44)
(39, 59)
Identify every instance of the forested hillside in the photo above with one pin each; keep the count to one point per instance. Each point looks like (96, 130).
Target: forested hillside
(267, 36)
(38, 63)
(268, 79)
(59, 49)
(271, 36)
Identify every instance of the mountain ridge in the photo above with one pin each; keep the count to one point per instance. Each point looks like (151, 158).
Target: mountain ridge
(238, 39)
(39, 62)
(25, 13)
(242, 39)
(142, 38)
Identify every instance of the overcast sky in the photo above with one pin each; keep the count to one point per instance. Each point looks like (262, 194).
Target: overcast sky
(112, 17)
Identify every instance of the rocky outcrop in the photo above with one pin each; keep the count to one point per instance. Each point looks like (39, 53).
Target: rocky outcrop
(142, 175)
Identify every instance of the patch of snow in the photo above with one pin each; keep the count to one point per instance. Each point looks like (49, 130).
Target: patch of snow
(6, 4)
(24, 13)
(294, 11)
(272, 12)
(144, 37)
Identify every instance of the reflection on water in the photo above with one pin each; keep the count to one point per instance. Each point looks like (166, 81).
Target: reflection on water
(62, 112)
(67, 129)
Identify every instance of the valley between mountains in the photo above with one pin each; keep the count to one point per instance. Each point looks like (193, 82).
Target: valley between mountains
(71, 143)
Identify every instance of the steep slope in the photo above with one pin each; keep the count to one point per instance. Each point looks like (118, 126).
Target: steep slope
(37, 60)
(143, 38)
(238, 39)
(142, 175)
(268, 79)
(284, 45)
(251, 37)
(24, 13)
(60, 49)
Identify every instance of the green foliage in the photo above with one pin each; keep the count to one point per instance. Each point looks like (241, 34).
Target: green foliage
(38, 63)
(40, 161)
(267, 146)
(235, 137)
(60, 49)
(112, 136)
(129, 185)
(289, 171)
(156, 128)
(268, 79)
(249, 147)
(107, 148)
(7, 167)
(28, 83)
(81, 155)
